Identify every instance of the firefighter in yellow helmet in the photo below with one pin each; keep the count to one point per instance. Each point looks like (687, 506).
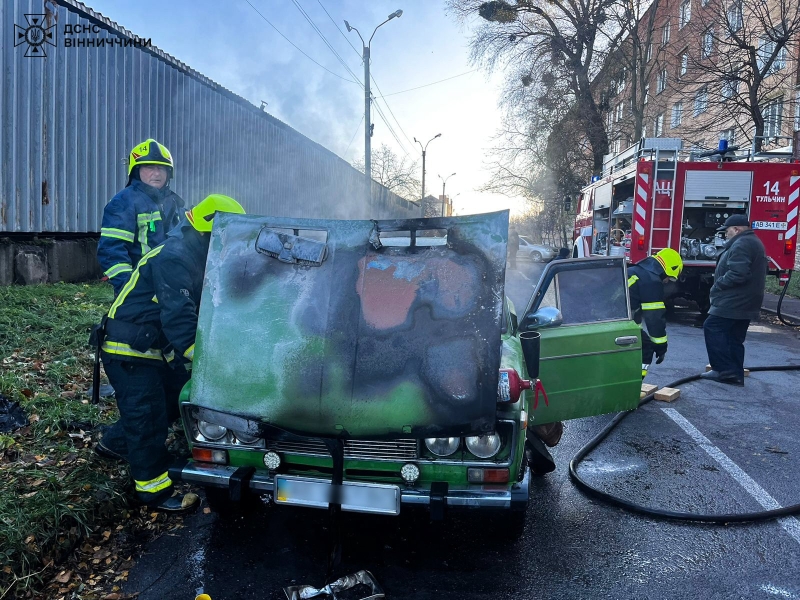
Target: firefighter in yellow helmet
(147, 346)
(138, 217)
(646, 284)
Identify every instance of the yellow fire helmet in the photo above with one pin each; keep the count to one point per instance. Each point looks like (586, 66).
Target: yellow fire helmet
(202, 216)
(671, 262)
(150, 152)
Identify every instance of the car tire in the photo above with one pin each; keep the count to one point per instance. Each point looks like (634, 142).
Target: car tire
(536, 256)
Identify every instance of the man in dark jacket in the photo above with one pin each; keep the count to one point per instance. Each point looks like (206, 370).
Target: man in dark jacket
(139, 217)
(147, 347)
(736, 298)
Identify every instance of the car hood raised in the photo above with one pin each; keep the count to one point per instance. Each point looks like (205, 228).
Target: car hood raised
(333, 328)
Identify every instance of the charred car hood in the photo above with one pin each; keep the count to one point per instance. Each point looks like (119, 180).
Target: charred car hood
(353, 329)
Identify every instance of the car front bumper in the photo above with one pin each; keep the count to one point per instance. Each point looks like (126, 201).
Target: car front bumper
(514, 497)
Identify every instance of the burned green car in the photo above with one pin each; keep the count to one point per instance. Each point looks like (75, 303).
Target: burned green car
(378, 365)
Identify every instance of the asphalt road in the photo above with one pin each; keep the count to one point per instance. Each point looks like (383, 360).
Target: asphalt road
(716, 449)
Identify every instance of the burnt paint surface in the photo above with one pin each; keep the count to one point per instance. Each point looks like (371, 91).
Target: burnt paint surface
(372, 343)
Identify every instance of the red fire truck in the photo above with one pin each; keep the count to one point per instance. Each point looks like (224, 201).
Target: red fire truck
(648, 199)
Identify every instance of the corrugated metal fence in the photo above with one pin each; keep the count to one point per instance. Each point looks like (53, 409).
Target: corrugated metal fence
(69, 121)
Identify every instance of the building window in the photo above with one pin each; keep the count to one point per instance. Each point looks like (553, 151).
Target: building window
(620, 112)
(649, 54)
(658, 125)
(703, 2)
(685, 13)
(728, 134)
(644, 130)
(730, 87)
(622, 80)
(708, 43)
(797, 112)
(773, 114)
(665, 34)
(647, 93)
(661, 83)
(684, 62)
(610, 119)
(677, 115)
(734, 17)
(701, 101)
(766, 49)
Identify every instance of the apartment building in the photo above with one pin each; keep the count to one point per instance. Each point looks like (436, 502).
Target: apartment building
(687, 72)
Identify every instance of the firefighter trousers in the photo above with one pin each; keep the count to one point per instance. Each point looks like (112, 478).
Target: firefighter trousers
(147, 398)
(648, 352)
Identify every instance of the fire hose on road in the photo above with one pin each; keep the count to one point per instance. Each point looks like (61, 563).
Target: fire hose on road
(657, 512)
(781, 318)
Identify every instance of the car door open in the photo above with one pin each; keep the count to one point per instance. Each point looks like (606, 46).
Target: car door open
(590, 345)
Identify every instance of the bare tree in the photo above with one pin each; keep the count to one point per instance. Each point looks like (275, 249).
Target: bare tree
(395, 172)
(742, 65)
(561, 39)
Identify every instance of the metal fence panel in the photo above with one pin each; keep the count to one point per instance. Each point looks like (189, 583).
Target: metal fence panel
(68, 121)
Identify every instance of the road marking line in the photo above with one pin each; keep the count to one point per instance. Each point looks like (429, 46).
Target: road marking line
(523, 274)
(790, 524)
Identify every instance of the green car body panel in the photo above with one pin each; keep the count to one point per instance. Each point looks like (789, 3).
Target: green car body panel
(304, 336)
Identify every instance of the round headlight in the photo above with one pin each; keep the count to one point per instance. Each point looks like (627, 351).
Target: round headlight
(210, 431)
(483, 446)
(245, 438)
(442, 446)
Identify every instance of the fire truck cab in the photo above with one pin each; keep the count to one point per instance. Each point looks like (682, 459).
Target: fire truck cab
(648, 199)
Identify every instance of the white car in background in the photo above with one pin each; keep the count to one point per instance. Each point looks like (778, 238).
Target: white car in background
(535, 252)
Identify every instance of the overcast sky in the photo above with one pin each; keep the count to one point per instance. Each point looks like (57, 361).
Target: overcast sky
(230, 43)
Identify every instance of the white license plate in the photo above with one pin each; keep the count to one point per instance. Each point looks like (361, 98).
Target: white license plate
(776, 225)
(355, 497)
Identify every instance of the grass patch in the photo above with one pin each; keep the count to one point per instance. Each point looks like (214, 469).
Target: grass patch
(54, 493)
(772, 286)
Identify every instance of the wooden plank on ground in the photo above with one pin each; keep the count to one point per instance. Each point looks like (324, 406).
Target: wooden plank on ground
(668, 394)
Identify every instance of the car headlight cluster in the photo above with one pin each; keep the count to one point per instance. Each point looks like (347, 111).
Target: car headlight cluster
(481, 446)
(211, 432)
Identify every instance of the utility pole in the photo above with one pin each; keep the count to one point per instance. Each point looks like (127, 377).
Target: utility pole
(367, 103)
(444, 183)
(424, 151)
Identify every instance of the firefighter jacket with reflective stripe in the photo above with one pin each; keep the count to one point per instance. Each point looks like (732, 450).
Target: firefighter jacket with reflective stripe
(647, 298)
(155, 315)
(134, 221)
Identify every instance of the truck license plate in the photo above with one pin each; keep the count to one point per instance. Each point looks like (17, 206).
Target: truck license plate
(356, 497)
(776, 225)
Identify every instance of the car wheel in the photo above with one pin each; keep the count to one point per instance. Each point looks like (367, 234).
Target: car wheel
(536, 256)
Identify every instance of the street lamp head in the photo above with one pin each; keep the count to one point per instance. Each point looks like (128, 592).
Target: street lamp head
(415, 139)
(437, 135)
(346, 24)
(397, 13)
(451, 174)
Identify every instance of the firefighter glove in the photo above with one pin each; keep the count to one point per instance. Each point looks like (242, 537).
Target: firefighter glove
(661, 352)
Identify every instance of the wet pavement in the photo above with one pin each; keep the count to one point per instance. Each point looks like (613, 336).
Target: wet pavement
(572, 546)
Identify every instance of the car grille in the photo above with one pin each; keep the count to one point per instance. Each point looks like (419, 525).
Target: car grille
(357, 449)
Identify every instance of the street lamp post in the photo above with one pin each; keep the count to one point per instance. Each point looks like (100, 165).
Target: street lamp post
(368, 100)
(444, 183)
(424, 151)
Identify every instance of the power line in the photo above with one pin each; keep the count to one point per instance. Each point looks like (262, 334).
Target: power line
(391, 112)
(355, 134)
(295, 46)
(429, 84)
(347, 39)
(325, 40)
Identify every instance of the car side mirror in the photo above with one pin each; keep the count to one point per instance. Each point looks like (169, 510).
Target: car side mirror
(548, 316)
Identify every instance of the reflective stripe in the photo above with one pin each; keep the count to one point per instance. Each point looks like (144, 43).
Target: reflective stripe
(120, 234)
(632, 279)
(189, 352)
(661, 340)
(144, 218)
(126, 289)
(652, 305)
(117, 269)
(152, 486)
(125, 350)
(644, 373)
